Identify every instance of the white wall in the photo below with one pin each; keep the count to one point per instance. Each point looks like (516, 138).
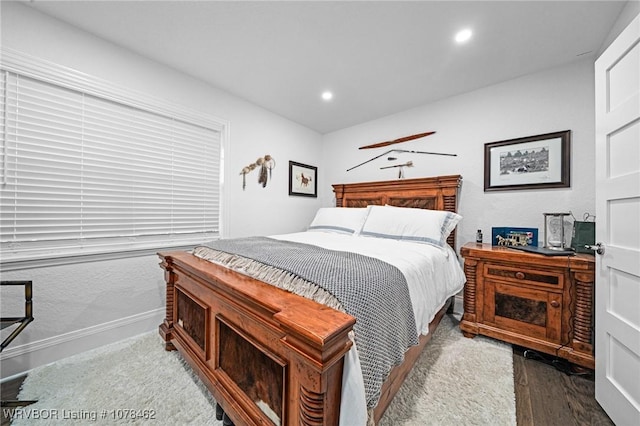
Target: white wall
(79, 306)
(549, 101)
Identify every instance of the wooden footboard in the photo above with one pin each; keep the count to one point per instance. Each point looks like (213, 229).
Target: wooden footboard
(266, 355)
(269, 356)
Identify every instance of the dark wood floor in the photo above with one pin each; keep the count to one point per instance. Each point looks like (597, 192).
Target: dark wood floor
(544, 395)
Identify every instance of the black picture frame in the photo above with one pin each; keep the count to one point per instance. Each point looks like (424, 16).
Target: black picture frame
(533, 162)
(303, 180)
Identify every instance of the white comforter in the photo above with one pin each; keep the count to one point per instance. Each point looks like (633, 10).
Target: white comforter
(433, 275)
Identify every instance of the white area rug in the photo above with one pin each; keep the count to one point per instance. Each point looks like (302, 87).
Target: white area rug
(456, 381)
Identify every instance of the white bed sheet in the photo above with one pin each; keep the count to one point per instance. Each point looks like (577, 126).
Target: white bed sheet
(433, 275)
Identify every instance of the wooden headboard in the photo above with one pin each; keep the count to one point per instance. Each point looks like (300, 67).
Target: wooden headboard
(434, 193)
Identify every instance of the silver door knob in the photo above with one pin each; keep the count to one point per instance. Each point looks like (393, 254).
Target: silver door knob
(598, 247)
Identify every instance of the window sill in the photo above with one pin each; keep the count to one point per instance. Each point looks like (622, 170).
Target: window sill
(44, 262)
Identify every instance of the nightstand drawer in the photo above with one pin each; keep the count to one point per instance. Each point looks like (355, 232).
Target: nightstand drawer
(524, 275)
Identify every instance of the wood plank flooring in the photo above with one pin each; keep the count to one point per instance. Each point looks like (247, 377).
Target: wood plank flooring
(546, 396)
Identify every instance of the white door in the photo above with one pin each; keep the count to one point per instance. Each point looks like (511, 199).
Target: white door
(617, 292)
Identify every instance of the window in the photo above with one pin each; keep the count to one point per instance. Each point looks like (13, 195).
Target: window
(87, 173)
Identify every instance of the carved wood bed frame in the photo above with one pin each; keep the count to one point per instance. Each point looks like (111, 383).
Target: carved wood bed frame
(249, 341)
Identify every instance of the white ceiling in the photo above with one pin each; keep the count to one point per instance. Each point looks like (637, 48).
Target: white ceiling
(379, 58)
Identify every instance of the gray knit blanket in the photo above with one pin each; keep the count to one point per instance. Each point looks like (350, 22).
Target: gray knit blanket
(372, 291)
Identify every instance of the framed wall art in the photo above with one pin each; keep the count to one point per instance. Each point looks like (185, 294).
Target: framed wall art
(303, 179)
(533, 162)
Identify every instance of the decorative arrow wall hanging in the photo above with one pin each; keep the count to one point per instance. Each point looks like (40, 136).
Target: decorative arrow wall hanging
(401, 150)
(401, 166)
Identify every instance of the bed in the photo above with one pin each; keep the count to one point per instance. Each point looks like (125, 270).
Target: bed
(270, 356)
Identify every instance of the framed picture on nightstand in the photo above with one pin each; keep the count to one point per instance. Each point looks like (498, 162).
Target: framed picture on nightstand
(507, 236)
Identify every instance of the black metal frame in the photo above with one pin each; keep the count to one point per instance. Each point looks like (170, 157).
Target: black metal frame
(23, 322)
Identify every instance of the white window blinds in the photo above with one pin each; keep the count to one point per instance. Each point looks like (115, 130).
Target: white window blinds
(83, 174)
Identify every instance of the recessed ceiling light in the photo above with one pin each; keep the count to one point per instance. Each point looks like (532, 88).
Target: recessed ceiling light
(327, 96)
(464, 35)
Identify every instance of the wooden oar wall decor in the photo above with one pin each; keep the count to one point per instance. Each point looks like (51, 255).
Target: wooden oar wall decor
(395, 141)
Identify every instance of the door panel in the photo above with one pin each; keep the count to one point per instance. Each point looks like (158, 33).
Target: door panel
(624, 232)
(623, 78)
(624, 294)
(624, 150)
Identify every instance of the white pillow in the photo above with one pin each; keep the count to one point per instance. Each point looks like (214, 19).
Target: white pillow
(344, 220)
(410, 224)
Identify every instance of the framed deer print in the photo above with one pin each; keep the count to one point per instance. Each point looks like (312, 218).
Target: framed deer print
(303, 180)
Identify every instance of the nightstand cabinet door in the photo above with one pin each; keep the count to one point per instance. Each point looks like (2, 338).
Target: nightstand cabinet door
(536, 313)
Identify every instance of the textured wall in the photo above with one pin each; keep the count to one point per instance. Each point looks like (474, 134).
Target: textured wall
(553, 100)
(75, 300)
(76, 305)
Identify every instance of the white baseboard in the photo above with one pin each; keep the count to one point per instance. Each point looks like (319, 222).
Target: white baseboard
(19, 360)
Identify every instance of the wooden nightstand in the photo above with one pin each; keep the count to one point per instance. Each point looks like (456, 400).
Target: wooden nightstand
(540, 302)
